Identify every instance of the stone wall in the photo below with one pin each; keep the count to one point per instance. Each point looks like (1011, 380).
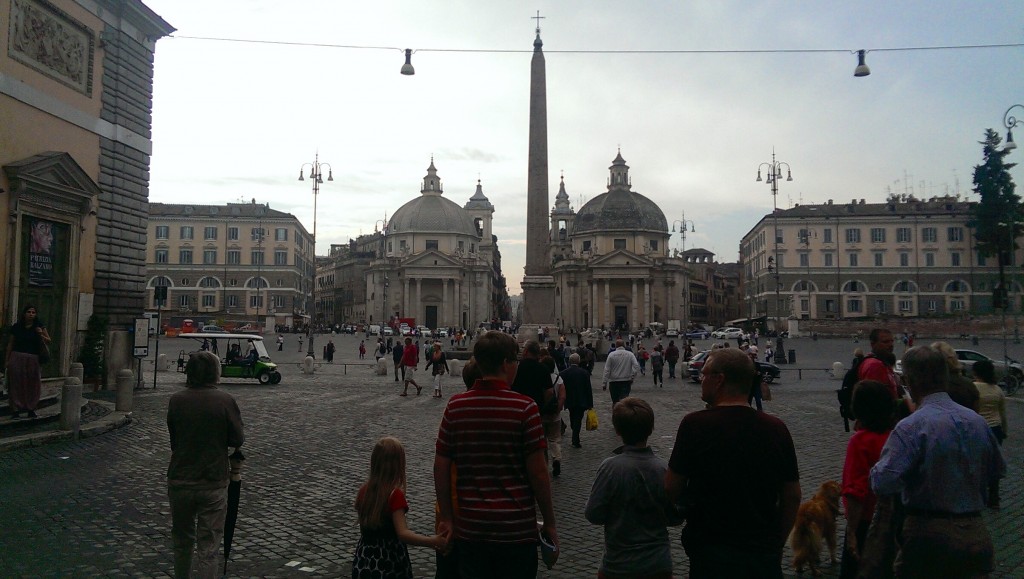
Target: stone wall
(930, 328)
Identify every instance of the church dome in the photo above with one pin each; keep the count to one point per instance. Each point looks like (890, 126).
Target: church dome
(431, 213)
(619, 209)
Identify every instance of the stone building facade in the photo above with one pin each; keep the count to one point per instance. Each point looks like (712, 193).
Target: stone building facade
(902, 258)
(75, 101)
(239, 262)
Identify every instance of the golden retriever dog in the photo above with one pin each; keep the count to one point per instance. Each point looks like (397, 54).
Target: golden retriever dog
(816, 520)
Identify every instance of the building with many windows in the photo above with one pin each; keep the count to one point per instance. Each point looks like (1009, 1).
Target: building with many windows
(906, 257)
(236, 262)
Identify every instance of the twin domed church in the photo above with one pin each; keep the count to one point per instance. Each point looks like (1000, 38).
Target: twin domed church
(438, 262)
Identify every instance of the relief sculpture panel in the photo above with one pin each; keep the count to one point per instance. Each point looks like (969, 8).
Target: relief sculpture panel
(48, 40)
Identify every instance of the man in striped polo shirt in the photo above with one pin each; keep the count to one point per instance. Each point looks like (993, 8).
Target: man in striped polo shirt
(494, 438)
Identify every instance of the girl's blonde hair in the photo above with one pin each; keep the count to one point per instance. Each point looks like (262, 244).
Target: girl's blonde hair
(387, 473)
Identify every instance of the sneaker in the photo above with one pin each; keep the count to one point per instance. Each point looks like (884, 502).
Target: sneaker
(556, 468)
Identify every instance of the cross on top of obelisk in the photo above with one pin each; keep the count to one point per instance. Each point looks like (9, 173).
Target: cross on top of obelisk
(538, 18)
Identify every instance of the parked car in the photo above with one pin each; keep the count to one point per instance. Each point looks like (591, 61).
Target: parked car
(388, 331)
(770, 371)
(699, 334)
(672, 333)
(1010, 378)
(442, 333)
(728, 333)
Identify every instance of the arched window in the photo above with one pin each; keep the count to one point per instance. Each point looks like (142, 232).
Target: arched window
(904, 286)
(956, 286)
(256, 283)
(161, 281)
(854, 287)
(209, 282)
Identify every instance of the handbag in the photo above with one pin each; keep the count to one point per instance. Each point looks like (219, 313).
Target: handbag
(766, 392)
(591, 419)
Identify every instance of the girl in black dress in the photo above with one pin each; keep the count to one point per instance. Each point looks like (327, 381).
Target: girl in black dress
(28, 337)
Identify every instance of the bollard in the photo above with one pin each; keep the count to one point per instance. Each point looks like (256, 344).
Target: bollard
(161, 363)
(307, 365)
(125, 387)
(381, 368)
(71, 404)
(78, 371)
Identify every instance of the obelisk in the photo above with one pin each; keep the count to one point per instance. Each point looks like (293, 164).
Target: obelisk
(538, 284)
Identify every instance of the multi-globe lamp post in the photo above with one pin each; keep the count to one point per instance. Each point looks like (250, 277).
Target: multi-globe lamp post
(316, 175)
(774, 170)
(686, 274)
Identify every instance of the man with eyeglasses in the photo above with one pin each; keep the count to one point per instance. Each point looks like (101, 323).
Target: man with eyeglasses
(734, 471)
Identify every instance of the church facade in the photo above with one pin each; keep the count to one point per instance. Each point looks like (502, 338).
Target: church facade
(437, 262)
(611, 260)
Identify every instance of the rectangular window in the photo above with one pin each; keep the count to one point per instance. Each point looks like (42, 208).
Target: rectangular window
(162, 231)
(185, 232)
(904, 259)
(183, 301)
(279, 301)
(906, 305)
(401, 245)
(299, 240)
(654, 245)
(903, 235)
(256, 301)
(929, 235)
(257, 233)
(981, 260)
(854, 306)
(955, 233)
(828, 259)
(805, 260)
(853, 235)
(280, 258)
(161, 256)
(954, 259)
(878, 259)
(778, 236)
(234, 257)
(232, 234)
(804, 305)
(827, 238)
(462, 245)
(209, 256)
(185, 256)
(830, 306)
(619, 244)
(431, 244)
(232, 301)
(586, 246)
(209, 300)
(933, 305)
(879, 306)
(957, 305)
(257, 257)
(877, 235)
(853, 260)
(209, 233)
(281, 234)
(929, 259)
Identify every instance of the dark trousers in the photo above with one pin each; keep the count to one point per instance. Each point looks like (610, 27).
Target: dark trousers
(619, 390)
(659, 377)
(576, 423)
(716, 561)
(671, 369)
(496, 560)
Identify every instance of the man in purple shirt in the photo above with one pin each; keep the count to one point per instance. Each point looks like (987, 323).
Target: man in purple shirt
(941, 460)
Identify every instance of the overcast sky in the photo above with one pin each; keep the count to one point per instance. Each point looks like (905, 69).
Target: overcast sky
(235, 121)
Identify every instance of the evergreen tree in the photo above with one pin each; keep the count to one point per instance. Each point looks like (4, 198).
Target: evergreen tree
(998, 218)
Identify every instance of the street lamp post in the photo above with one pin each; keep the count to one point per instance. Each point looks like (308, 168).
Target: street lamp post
(316, 175)
(774, 173)
(1010, 121)
(682, 229)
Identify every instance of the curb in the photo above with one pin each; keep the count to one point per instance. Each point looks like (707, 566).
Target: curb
(111, 421)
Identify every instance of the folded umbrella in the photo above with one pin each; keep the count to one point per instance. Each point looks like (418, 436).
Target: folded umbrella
(234, 494)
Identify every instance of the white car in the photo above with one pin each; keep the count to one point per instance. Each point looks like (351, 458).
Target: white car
(442, 333)
(388, 331)
(727, 333)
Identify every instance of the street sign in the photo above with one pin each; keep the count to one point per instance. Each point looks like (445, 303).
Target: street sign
(141, 349)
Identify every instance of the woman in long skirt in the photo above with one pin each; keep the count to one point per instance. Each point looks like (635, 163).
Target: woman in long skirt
(28, 337)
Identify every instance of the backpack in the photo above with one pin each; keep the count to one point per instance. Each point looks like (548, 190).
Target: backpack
(845, 392)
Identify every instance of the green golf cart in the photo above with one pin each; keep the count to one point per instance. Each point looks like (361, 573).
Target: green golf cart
(241, 356)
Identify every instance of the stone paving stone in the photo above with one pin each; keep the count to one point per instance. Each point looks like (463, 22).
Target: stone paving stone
(98, 506)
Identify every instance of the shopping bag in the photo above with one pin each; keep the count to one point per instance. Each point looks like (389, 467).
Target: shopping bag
(591, 419)
(766, 392)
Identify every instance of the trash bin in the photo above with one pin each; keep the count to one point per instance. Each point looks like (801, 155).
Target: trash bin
(792, 356)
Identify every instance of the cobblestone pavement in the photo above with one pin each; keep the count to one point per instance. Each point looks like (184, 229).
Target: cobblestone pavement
(98, 507)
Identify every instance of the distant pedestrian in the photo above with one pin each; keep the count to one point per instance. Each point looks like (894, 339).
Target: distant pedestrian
(642, 355)
(438, 364)
(300, 343)
(579, 396)
(672, 357)
(396, 356)
(410, 360)
(658, 367)
(330, 351)
(203, 422)
(620, 369)
(362, 349)
(381, 507)
(280, 343)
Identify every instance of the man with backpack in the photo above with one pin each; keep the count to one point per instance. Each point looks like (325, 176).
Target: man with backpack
(879, 366)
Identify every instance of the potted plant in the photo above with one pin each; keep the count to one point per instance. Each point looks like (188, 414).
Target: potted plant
(91, 355)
